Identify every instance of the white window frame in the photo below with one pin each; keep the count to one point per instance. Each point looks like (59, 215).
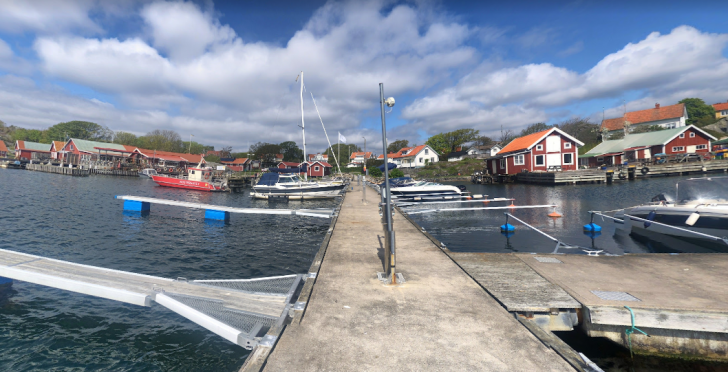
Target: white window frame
(692, 134)
(427, 152)
(503, 163)
(519, 160)
(567, 145)
(70, 147)
(543, 161)
(422, 160)
(701, 147)
(539, 147)
(682, 135)
(678, 148)
(316, 168)
(563, 158)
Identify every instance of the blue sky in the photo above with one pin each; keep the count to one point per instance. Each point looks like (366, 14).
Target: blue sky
(225, 71)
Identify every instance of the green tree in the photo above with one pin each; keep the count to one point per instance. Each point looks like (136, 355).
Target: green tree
(483, 141)
(240, 155)
(32, 135)
(290, 151)
(81, 130)
(164, 140)
(343, 150)
(697, 109)
(535, 128)
(581, 129)
(195, 148)
(438, 143)
(265, 151)
(125, 138)
(397, 145)
(394, 173)
(375, 172)
(445, 143)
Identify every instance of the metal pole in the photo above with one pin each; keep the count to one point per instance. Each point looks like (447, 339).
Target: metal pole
(364, 183)
(388, 197)
(303, 132)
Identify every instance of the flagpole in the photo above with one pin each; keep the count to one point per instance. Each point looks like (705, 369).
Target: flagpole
(338, 149)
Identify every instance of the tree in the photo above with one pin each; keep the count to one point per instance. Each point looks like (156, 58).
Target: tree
(32, 135)
(125, 138)
(226, 152)
(196, 148)
(581, 128)
(375, 172)
(343, 150)
(697, 109)
(506, 137)
(290, 151)
(483, 141)
(265, 151)
(80, 129)
(438, 143)
(397, 145)
(164, 140)
(535, 128)
(394, 173)
(459, 137)
(240, 155)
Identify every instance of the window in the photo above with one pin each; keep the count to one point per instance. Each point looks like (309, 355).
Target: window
(316, 168)
(193, 172)
(600, 159)
(568, 158)
(692, 134)
(422, 160)
(567, 145)
(70, 147)
(503, 163)
(519, 160)
(678, 148)
(682, 135)
(701, 147)
(432, 159)
(539, 147)
(427, 152)
(539, 160)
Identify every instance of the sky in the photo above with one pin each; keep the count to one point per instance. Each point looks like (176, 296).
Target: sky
(227, 72)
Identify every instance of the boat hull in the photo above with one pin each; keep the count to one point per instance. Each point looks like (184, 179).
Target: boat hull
(712, 221)
(185, 184)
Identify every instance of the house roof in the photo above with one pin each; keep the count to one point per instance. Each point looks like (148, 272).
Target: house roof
(721, 106)
(366, 155)
(238, 161)
(57, 145)
(90, 146)
(721, 142)
(170, 156)
(646, 116)
(323, 163)
(407, 152)
(526, 142)
(3, 147)
(312, 156)
(641, 140)
(33, 146)
(279, 156)
(290, 163)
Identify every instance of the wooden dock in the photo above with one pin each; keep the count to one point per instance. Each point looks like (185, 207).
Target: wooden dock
(438, 319)
(115, 172)
(58, 170)
(240, 311)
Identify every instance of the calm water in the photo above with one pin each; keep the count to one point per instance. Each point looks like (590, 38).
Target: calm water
(479, 231)
(78, 220)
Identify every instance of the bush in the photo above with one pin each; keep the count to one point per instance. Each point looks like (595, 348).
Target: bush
(395, 173)
(375, 172)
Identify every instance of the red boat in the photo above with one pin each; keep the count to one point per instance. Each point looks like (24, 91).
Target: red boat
(196, 179)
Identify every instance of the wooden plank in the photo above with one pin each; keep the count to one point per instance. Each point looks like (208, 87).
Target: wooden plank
(705, 321)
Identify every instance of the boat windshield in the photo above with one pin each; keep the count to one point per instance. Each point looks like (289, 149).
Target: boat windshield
(288, 179)
(709, 190)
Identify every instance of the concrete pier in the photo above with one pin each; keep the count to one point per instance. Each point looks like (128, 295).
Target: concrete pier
(439, 319)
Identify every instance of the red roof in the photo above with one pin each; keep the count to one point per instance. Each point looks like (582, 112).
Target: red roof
(57, 145)
(325, 164)
(645, 116)
(236, 161)
(3, 147)
(406, 152)
(720, 106)
(171, 156)
(526, 142)
(366, 155)
(311, 156)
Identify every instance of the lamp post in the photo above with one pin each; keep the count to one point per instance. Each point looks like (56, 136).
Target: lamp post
(366, 171)
(190, 150)
(389, 259)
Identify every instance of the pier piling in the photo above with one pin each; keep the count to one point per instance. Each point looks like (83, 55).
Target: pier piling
(136, 206)
(211, 214)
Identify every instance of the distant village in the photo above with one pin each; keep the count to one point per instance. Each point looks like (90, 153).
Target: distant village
(637, 136)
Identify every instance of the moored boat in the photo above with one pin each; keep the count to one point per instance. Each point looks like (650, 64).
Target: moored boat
(199, 178)
(148, 172)
(290, 186)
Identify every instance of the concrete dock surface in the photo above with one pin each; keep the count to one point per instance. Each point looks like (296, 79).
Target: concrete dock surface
(440, 319)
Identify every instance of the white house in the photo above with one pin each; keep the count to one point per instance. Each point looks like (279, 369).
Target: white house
(490, 151)
(668, 117)
(413, 157)
(359, 158)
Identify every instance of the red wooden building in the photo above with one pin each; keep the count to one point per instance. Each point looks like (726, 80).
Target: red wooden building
(31, 150)
(551, 149)
(318, 168)
(288, 165)
(3, 149)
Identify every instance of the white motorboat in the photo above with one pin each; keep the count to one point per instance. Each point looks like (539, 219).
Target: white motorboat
(148, 172)
(700, 205)
(290, 186)
(426, 190)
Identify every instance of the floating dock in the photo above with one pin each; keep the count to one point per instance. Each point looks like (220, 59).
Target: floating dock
(58, 170)
(439, 318)
(241, 311)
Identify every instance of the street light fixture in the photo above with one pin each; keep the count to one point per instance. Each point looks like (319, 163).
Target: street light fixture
(389, 249)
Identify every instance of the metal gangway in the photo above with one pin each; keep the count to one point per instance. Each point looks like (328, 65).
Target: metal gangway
(239, 310)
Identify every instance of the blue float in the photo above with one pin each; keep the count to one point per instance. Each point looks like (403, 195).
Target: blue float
(507, 228)
(592, 227)
(592, 234)
(211, 214)
(136, 206)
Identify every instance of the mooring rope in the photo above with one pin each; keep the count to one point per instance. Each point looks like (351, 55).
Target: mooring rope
(631, 330)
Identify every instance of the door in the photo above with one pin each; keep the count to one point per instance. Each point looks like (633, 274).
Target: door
(553, 144)
(553, 159)
(691, 149)
(647, 154)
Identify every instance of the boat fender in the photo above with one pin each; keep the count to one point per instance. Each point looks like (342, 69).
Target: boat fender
(651, 217)
(645, 170)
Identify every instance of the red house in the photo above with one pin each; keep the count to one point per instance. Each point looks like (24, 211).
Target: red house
(288, 165)
(551, 149)
(318, 168)
(238, 165)
(3, 149)
(31, 150)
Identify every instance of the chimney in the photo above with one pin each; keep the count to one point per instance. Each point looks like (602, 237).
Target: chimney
(458, 149)
(657, 105)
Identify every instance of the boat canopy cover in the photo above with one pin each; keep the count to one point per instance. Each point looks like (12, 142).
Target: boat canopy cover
(390, 166)
(268, 179)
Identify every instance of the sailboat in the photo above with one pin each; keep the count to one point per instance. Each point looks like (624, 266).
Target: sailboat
(278, 184)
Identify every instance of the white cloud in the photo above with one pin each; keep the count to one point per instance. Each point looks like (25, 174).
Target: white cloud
(46, 15)
(662, 68)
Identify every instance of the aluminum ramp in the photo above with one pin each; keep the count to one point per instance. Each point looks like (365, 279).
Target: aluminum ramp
(239, 310)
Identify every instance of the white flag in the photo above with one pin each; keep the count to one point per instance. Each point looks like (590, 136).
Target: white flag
(342, 138)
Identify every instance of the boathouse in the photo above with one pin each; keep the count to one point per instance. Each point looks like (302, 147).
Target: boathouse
(288, 165)
(548, 150)
(238, 165)
(3, 149)
(317, 168)
(634, 147)
(79, 150)
(57, 150)
(26, 150)
(668, 117)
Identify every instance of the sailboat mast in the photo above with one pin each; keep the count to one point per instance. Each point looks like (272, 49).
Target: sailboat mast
(303, 131)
